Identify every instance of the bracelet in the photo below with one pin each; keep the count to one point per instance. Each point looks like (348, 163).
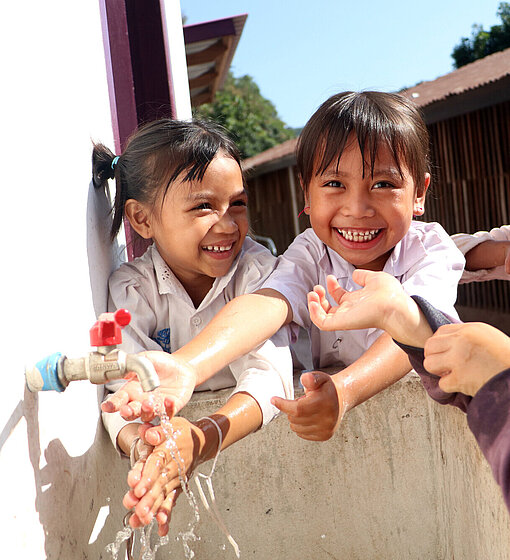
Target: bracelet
(220, 440)
(132, 451)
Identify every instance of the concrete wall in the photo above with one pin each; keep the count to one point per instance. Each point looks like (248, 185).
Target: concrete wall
(402, 478)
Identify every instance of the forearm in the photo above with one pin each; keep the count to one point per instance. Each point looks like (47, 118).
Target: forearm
(379, 367)
(244, 323)
(488, 254)
(240, 416)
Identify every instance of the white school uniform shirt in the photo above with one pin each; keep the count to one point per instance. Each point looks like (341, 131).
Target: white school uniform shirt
(425, 261)
(465, 242)
(165, 318)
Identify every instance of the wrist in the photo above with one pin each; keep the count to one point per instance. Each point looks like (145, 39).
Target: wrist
(209, 437)
(126, 437)
(407, 324)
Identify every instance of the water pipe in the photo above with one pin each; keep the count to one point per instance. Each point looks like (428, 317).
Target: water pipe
(107, 362)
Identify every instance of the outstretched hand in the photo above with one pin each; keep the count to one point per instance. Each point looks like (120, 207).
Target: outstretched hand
(466, 356)
(381, 303)
(178, 380)
(316, 415)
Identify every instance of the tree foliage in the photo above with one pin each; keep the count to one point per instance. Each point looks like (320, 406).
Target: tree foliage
(247, 115)
(482, 43)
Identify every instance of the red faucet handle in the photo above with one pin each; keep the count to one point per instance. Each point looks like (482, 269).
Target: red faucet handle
(107, 329)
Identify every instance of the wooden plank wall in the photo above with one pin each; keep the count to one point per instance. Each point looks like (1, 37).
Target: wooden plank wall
(470, 191)
(471, 186)
(270, 207)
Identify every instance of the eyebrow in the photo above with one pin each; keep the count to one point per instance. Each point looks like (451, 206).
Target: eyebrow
(378, 172)
(207, 195)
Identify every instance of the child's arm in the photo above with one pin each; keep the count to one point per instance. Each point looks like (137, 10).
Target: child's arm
(155, 485)
(489, 254)
(466, 356)
(243, 324)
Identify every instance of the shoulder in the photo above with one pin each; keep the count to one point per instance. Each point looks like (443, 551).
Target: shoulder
(306, 244)
(428, 232)
(254, 265)
(138, 273)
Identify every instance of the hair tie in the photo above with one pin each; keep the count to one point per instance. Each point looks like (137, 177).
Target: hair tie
(114, 162)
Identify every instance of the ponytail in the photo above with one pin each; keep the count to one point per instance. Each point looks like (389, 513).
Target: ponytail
(105, 166)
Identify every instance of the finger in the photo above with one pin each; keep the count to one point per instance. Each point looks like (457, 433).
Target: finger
(312, 381)
(284, 405)
(130, 411)
(152, 469)
(165, 511)
(334, 288)
(135, 522)
(129, 500)
(135, 474)
(437, 364)
(317, 314)
(323, 300)
(507, 262)
(148, 410)
(114, 402)
(448, 383)
(362, 276)
(153, 435)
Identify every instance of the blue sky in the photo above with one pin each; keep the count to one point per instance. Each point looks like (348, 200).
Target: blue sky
(301, 52)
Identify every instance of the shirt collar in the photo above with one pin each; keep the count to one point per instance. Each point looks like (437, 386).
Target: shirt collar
(406, 253)
(168, 283)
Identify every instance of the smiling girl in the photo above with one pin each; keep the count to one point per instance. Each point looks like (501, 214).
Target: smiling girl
(180, 184)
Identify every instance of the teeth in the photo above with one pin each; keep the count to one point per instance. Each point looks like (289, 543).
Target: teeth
(358, 236)
(217, 249)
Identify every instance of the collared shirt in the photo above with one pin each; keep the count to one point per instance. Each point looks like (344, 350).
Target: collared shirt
(465, 242)
(165, 318)
(425, 261)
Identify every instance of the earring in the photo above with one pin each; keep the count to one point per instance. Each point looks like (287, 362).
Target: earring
(304, 209)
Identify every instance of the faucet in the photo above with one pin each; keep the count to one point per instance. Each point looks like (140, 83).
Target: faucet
(107, 362)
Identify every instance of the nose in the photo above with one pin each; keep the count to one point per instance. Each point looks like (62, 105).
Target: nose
(357, 203)
(226, 223)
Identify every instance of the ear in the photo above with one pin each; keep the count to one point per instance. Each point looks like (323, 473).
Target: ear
(140, 217)
(419, 201)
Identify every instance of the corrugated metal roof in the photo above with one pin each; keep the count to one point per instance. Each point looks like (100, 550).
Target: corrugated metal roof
(470, 77)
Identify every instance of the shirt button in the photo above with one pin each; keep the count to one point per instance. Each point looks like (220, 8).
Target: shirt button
(196, 321)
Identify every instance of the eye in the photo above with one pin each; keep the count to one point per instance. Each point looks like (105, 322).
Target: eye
(203, 206)
(384, 185)
(334, 184)
(239, 202)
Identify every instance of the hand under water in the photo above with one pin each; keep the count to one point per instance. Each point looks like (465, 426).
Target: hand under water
(178, 381)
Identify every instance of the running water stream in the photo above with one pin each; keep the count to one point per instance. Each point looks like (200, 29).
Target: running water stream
(186, 537)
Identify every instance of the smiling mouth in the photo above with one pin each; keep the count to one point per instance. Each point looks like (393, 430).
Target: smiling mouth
(358, 236)
(217, 248)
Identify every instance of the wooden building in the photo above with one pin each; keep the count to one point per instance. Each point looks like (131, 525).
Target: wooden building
(468, 115)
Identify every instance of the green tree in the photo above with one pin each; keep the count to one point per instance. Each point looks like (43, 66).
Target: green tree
(247, 115)
(482, 43)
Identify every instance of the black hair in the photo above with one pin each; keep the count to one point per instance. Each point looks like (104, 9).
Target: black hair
(155, 155)
(375, 118)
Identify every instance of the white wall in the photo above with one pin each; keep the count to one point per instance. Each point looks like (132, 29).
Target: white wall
(54, 99)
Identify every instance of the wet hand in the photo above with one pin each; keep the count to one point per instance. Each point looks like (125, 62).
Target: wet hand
(156, 484)
(466, 356)
(178, 380)
(316, 415)
(366, 308)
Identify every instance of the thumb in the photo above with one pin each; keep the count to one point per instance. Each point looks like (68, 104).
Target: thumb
(313, 380)
(446, 384)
